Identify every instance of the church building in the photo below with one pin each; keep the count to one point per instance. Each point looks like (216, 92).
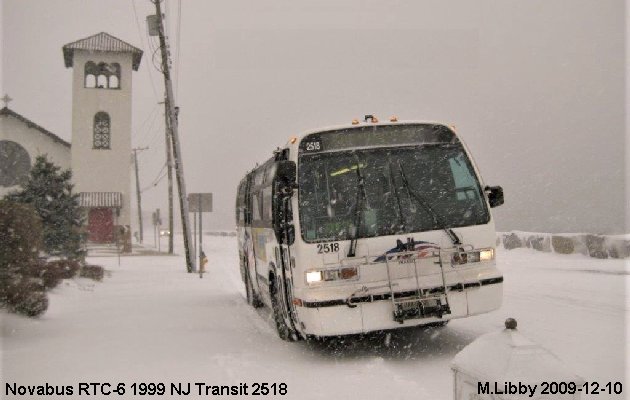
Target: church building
(101, 131)
(100, 155)
(21, 141)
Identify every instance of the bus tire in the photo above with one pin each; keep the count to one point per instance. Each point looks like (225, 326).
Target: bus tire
(252, 298)
(284, 331)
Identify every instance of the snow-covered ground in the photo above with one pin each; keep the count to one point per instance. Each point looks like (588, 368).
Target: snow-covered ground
(150, 321)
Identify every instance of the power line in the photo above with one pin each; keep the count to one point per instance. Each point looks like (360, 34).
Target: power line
(145, 137)
(152, 134)
(155, 182)
(156, 66)
(161, 170)
(156, 136)
(146, 119)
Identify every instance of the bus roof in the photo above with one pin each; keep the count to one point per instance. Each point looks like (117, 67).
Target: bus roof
(295, 140)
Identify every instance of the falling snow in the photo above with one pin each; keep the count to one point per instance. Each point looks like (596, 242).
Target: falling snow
(151, 321)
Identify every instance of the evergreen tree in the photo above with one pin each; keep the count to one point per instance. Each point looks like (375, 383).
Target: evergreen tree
(49, 190)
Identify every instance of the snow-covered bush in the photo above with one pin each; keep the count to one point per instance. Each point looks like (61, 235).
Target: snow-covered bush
(27, 296)
(595, 246)
(64, 269)
(511, 241)
(617, 247)
(95, 272)
(20, 245)
(20, 235)
(39, 268)
(49, 191)
(562, 244)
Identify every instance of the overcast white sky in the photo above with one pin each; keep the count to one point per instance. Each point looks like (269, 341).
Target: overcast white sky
(536, 88)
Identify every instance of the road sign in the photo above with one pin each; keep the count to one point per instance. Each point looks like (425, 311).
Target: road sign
(157, 220)
(200, 202)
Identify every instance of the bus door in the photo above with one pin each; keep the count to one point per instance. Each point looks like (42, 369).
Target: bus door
(285, 234)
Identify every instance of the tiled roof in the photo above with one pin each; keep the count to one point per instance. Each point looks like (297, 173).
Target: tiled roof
(100, 199)
(31, 124)
(102, 42)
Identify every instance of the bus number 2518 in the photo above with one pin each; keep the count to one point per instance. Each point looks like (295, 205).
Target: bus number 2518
(327, 248)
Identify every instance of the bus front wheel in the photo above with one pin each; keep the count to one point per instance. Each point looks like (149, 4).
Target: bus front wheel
(283, 329)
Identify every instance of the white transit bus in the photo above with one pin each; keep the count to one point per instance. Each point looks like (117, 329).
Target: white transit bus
(367, 227)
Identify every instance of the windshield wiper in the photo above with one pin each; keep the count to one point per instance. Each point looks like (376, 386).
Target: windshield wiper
(401, 218)
(358, 210)
(424, 204)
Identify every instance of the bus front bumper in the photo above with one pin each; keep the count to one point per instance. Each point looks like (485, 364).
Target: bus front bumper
(364, 314)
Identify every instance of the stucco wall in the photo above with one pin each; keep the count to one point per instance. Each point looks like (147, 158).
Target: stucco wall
(101, 170)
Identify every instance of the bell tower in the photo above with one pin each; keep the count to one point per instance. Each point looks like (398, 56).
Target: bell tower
(101, 132)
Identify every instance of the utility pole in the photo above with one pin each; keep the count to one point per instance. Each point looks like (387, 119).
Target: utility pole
(135, 161)
(169, 172)
(177, 154)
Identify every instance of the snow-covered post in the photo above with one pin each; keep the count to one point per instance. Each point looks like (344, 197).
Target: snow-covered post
(506, 365)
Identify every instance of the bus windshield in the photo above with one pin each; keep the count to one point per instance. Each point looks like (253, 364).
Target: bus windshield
(405, 189)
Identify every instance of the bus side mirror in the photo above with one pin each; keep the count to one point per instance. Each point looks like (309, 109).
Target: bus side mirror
(286, 173)
(285, 182)
(495, 195)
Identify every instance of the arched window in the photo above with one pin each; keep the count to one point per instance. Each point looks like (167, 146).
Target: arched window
(113, 82)
(102, 76)
(114, 75)
(102, 133)
(90, 74)
(90, 81)
(15, 164)
(101, 82)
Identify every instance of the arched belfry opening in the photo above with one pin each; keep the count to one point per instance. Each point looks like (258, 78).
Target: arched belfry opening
(101, 133)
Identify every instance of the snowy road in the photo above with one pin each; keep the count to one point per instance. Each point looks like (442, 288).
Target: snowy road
(152, 322)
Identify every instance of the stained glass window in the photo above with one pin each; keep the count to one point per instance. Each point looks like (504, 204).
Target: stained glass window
(102, 130)
(15, 163)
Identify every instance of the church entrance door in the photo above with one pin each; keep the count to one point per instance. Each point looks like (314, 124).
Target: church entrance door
(101, 225)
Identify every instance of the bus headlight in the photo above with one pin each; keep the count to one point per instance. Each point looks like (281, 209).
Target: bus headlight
(467, 257)
(332, 274)
(313, 276)
(486, 255)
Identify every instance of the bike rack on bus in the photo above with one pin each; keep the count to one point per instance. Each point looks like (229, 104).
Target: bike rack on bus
(419, 303)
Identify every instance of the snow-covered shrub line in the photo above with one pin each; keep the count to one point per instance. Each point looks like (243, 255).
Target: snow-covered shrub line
(597, 246)
(94, 272)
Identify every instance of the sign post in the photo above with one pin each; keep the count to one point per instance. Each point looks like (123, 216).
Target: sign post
(200, 203)
(157, 223)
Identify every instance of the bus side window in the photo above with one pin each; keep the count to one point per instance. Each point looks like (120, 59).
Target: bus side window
(240, 204)
(259, 177)
(465, 186)
(266, 204)
(270, 172)
(241, 216)
(256, 214)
